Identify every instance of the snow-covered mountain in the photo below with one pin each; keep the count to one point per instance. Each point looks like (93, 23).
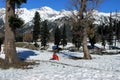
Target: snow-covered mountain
(58, 17)
(101, 17)
(51, 14)
(45, 13)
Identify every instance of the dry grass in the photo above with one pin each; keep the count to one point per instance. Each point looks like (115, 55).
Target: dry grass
(26, 45)
(19, 65)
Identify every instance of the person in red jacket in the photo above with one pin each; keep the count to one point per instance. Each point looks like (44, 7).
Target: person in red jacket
(55, 56)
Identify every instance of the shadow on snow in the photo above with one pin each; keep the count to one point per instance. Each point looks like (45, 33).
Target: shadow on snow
(26, 54)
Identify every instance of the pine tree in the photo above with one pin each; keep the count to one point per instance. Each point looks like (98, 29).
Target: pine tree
(110, 31)
(76, 41)
(102, 31)
(118, 31)
(117, 28)
(91, 34)
(10, 26)
(64, 36)
(36, 27)
(103, 41)
(57, 37)
(77, 36)
(44, 33)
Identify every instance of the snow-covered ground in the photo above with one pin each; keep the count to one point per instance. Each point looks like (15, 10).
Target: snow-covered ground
(101, 67)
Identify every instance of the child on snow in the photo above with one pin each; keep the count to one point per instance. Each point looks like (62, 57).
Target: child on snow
(55, 56)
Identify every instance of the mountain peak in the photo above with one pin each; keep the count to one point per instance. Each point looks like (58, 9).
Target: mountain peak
(46, 8)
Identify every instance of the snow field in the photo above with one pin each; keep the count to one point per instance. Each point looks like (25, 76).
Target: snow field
(101, 67)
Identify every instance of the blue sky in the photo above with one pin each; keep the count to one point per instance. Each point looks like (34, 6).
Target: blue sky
(110, 6)
(106, 6)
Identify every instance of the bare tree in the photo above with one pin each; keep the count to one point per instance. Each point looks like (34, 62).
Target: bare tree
(82, 20)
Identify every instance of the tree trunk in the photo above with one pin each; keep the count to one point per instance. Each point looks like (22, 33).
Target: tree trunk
(85, 48)
(84, 25)
(10, 48)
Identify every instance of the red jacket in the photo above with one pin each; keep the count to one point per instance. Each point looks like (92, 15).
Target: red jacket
(55, 57)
